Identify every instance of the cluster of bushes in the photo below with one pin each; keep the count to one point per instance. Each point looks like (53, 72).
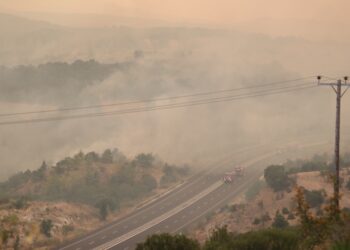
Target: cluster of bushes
(313, 232)
(269, 239)
(320, 163)
(316, 163)
(104, 181)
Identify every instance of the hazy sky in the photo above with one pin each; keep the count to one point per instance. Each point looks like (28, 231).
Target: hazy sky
(209, 11)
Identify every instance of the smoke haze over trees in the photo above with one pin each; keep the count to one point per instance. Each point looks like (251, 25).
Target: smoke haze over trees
(46, 66)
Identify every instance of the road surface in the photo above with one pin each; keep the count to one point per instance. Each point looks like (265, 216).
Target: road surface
(178, 209)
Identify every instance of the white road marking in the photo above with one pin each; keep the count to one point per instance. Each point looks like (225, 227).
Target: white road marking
(103, 237)
(159, 219)
(92, 242)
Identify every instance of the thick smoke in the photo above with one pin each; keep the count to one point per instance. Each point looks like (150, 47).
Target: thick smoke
(137, 64)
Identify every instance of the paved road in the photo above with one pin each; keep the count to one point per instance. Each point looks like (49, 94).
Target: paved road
(182, 218)
(176, 210)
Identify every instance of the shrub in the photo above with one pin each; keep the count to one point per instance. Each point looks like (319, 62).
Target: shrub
(66, 229)
(45, 227)
(280, 222)
(20, 203)
(314, 198)
(257, 221)
(285, 210)
(269, 239)
(169, 242)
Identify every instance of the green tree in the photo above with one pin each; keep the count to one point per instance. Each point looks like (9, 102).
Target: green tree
(45, 227)
(107, 156)
(103, 211)
(79, 157)
(92, 157)
(220, 239)
(280, 222)
(168, 242)
(105, 205)
(148, 182)
(39, 174)
(276, 177)
(144, 160)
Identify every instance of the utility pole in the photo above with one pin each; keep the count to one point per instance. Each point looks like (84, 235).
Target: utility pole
(337, 87)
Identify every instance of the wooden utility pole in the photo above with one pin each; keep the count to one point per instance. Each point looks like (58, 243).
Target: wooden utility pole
(337, 87)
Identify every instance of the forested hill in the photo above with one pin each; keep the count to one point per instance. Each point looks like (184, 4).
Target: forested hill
(109, 178)
(58, 80)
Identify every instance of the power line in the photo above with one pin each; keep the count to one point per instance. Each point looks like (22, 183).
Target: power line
(153, 100)
(167, 106)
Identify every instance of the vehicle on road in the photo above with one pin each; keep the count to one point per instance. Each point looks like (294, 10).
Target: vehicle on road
(230, 177)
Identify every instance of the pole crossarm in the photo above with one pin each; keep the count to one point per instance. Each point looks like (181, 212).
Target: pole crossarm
(333, 84)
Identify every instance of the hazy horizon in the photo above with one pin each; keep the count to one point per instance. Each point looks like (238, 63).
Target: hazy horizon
(135, 50)
(312, 19)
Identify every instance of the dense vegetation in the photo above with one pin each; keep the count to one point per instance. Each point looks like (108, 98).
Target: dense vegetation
(325, 231)
(321, 163)
(51, 81)
(105, 181)
(169, 242)
(277, 178)
(321, 228)
(268, 239)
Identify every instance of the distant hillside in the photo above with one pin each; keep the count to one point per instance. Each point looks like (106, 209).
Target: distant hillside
(54, 82)
(10, 24)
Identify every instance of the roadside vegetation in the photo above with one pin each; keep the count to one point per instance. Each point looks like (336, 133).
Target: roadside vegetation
(316, 223)
(100, 184)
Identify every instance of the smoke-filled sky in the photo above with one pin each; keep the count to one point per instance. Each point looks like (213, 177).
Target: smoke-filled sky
(132, 50)
(312, 18)
(218, 11)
